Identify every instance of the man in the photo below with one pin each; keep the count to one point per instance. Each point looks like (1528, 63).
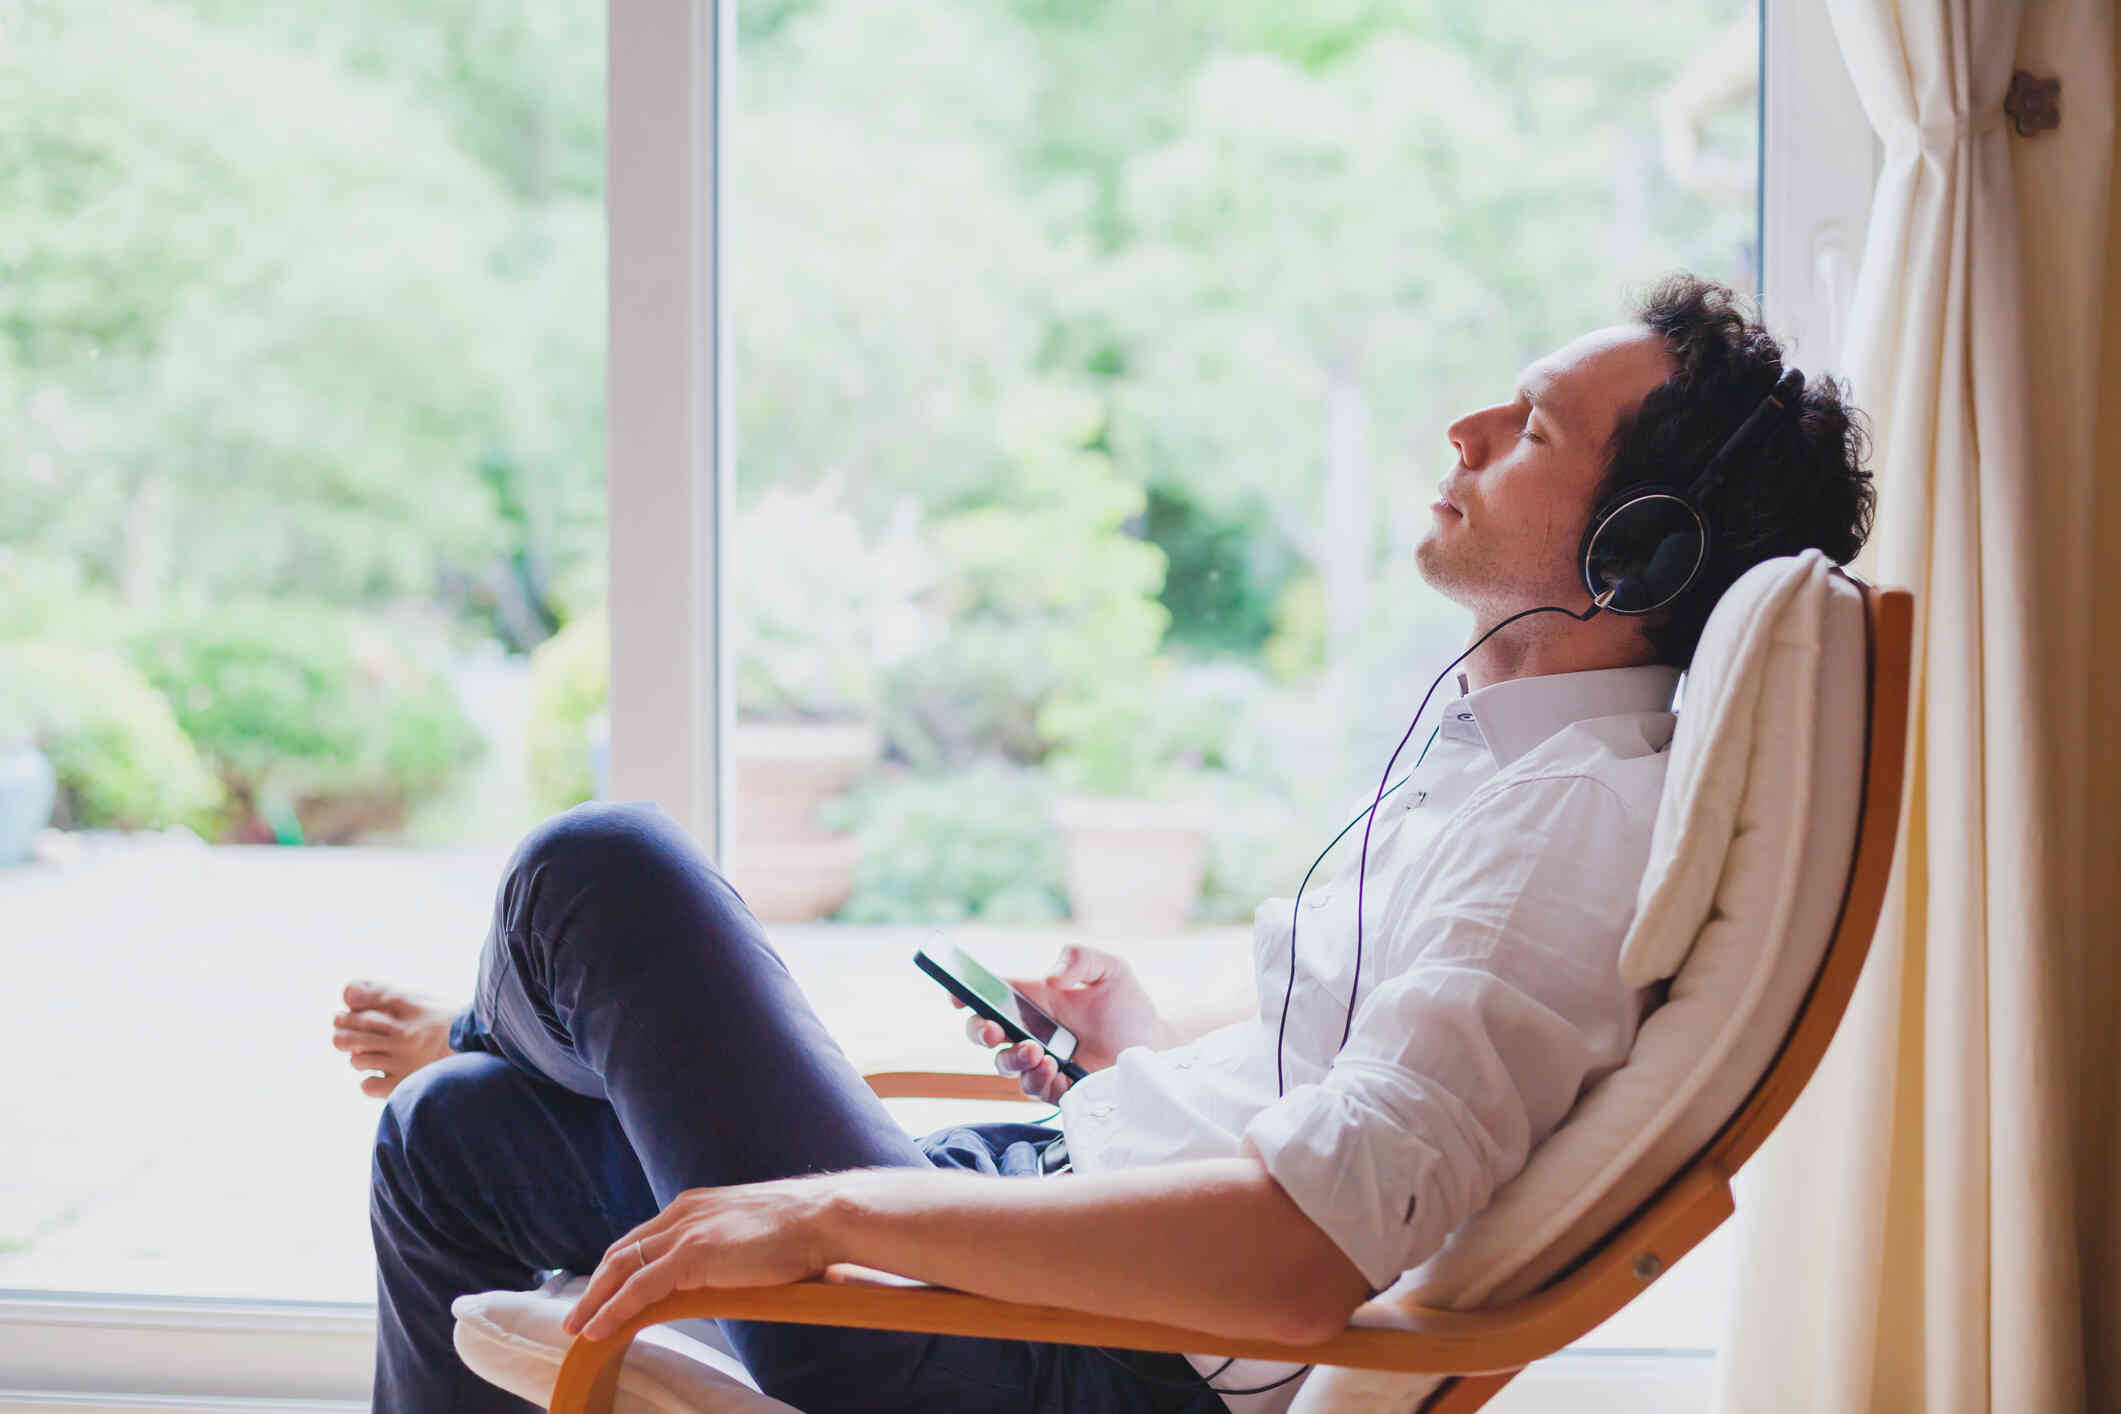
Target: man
(639, 1087)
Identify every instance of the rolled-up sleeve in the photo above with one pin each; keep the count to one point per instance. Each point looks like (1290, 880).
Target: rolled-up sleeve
(1508, 1001)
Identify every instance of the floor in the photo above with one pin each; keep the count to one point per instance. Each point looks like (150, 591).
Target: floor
(179, 1124)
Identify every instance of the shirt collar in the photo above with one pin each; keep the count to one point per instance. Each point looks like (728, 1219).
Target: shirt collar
(1517, 715)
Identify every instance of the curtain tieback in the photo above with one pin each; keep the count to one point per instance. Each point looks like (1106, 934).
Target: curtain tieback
(2034, 104)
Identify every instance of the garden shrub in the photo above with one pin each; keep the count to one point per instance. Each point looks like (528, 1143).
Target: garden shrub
(308, 706)
(122, 760)
(975, 845)
(570, 684)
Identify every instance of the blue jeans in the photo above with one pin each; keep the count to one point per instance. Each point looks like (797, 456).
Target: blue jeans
(633, 1035)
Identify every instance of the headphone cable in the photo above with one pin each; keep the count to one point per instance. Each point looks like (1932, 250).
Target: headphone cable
(1369, 817)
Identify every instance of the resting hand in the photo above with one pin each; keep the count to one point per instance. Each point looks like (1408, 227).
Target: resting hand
(760, 1234)
(1095, 995)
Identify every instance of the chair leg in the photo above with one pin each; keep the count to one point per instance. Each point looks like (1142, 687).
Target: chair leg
(1466, 1393)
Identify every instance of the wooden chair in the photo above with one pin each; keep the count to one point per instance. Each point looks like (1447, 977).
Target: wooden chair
(1480, 1349)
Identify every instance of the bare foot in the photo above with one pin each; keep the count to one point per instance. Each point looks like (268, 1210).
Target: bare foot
(389, 1030)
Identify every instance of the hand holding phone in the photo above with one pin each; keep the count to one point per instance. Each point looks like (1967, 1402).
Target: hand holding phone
(1007, 1010)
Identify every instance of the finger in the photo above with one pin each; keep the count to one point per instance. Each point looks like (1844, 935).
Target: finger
(623, 1260)
(372, 1022)
(378, 1087)
(1046, 1072)
(1038, 1080)
(649, 1232)
(1078, 967)
(648, 1285)
(1020, 1057)
(369, 1060)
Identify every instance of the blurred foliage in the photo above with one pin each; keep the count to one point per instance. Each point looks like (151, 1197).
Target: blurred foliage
(1224, 576)
(1041, 594)
(1136, 366)
(570, 687)
(1150, 734)
(122, 760)
(298, 705)
(967, 846)
(827, 609)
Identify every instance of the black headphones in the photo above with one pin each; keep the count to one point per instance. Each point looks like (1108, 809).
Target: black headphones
(1645, 546)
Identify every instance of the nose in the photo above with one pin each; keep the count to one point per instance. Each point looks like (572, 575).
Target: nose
(1465, 437)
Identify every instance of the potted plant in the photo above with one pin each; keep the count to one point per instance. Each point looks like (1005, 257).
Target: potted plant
(823, 606)
(1133, 823)
(29, 787)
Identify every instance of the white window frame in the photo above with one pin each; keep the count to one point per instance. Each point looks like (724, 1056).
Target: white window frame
(1819, 162)
(670, 452)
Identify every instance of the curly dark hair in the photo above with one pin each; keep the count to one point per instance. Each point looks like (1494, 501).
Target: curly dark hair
(1804, 485)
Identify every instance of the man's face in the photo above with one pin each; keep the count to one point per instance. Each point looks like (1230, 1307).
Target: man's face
(1510, 516)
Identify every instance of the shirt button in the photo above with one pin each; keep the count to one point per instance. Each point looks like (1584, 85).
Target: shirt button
(1321, 900)
(1182, 1063)
(1101, 1109)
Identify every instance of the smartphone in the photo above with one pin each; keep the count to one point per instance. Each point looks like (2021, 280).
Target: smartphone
(1017, 1015)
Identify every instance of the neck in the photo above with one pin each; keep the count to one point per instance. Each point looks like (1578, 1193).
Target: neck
(1554, 643)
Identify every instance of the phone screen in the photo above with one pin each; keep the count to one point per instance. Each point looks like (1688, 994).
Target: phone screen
(1004, 998)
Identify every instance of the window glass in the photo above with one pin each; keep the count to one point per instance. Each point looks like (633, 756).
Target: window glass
(1092, 369)
(301, 585)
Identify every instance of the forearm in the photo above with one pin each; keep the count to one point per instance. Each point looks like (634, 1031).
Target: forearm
(1213, 1244)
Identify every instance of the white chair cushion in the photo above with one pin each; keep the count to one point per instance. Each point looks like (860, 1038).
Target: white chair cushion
(513, 1339)
(1754, 839)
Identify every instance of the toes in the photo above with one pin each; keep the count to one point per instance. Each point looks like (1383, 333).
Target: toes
(369, 1023)
(366, 1038)
(379, 999)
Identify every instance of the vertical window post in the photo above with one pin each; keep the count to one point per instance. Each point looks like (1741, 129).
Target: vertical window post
(667, 451)
(1818, 162)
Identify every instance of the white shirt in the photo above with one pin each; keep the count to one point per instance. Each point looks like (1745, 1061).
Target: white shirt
(1501, 882)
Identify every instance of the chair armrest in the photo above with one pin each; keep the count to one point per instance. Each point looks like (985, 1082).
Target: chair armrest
(944, 1085)
(1381, 1336)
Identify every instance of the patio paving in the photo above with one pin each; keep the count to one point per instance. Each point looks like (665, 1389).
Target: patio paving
(178, 1123)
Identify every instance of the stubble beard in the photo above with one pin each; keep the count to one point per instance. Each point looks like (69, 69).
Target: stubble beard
(1473, 577)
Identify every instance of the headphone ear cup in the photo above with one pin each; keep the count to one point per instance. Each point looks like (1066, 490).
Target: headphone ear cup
(1644, 551)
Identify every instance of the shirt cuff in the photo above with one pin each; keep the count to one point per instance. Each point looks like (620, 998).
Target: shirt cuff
(1371, 1187)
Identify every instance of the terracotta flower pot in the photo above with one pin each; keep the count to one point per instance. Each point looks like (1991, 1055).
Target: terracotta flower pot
(1131, 866)
(789, 868)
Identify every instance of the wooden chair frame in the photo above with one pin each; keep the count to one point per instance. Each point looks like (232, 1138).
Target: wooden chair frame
(1484, 1348)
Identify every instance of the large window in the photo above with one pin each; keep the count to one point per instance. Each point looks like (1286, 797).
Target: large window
(1014, 408)
(301, 377)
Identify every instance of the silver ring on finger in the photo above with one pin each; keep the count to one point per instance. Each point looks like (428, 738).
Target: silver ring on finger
(639, 1253)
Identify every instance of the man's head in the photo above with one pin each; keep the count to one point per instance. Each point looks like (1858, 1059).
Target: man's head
(1641, 404)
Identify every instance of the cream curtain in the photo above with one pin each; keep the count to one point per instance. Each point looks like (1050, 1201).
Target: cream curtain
(1923, 1232)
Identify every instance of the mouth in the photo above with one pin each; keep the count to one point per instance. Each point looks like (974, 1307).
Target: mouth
(1444, 506)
